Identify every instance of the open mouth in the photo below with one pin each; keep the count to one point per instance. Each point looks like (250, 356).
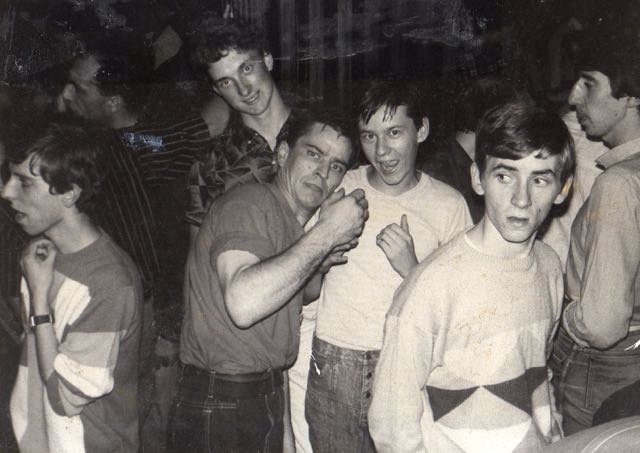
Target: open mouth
(518, 222)
(388, 166)
(252, 99)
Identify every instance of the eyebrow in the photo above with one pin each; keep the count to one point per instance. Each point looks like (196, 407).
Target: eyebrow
(319, 151)
(547, 171)
(586, 75)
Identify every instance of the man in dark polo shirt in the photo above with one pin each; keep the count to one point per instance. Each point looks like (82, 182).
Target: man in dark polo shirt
(248, 272)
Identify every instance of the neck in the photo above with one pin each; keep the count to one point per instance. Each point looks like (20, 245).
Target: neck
(269, 123)
(405, 185)
(467, 140)
(489, 240)
(625, 133)
(74, 234)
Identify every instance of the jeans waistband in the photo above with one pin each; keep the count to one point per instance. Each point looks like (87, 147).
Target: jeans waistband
(246, 385)
(627, 346)
(343, 354)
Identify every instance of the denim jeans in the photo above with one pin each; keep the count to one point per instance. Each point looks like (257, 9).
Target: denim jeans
(338, 398)
(583, 378)
(213, 415)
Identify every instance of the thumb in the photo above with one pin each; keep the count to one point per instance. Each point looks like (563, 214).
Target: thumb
(404, 224)
(335, 196)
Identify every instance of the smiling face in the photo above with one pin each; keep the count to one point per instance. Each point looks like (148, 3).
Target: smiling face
(312, 168)
(390, 143)
(243, 79)
(599, 113)
(518, 195)
(38, 211)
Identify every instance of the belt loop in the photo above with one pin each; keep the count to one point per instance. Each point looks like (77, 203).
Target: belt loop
(212, 384)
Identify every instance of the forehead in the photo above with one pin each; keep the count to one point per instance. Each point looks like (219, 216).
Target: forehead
(530, 164)
(387, 116)
(84, 69)
(230, 63)
(28, 168)
(327, 140)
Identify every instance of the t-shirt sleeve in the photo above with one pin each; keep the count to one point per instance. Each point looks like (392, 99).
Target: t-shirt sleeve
(242, 224)
(88, 350)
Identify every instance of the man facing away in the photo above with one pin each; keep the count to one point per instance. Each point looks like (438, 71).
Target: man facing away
(411, 215)
(82, 297)
(596, 353)
(463, 366)
(247, 275)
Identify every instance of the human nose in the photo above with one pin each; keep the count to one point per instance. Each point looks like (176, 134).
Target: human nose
(381, 147)
(575, 96)
(244, 87)
(7, 191)
(521, 197)
(322, 169)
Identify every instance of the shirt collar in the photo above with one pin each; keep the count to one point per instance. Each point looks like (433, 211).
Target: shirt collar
(619, 153)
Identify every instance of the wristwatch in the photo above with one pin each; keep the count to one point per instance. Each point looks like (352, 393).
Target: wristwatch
(40, 319)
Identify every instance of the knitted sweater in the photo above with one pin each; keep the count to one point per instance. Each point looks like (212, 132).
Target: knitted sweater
(463, 366)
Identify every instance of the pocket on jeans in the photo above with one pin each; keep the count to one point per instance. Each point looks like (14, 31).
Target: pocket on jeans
(321, 378)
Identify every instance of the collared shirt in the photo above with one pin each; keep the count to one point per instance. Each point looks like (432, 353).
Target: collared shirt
(602, 278)
(238, 155)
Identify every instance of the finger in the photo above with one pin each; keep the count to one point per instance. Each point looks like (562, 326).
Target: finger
(384, 245)
(333, 197)
(404, 223)
(358, 194)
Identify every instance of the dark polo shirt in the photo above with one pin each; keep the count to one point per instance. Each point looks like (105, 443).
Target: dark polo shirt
(257, 219)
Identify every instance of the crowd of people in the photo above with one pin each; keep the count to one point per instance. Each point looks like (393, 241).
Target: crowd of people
(281, 275)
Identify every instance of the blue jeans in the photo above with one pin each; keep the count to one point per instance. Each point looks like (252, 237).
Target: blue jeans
(211, 414)
(338, 398)
(583, 378)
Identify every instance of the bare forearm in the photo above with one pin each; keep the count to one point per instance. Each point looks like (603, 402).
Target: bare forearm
(46, 341)
(263, 288)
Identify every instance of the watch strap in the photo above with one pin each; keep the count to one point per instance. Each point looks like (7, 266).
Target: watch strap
(36, 320)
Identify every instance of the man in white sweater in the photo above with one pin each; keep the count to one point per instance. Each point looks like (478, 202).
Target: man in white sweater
(463, 366)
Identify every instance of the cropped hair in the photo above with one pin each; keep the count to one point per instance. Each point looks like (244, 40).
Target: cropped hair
(213, 38)
(517, 129)
(124, 73)
(64, 155)
(616, 54)
(391, 94)
(478, 97)
(301, 122)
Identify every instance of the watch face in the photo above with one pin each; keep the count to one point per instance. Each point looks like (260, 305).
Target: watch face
(40, 319)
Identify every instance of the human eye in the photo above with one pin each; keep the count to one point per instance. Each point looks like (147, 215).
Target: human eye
(247, 68)
(541, 182)
(395, 132)
(338, 167)
(313, 154)
(503, 177)
(224, 83)
(367, 136)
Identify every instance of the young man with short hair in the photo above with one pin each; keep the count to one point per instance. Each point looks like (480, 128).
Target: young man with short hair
(596, 358)
(411, 215)
(247, 274)
(463, 366)
(82, 297)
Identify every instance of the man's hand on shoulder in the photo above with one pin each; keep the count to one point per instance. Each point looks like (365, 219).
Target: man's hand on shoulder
(37, 263)
(342, 216)
(397, 243)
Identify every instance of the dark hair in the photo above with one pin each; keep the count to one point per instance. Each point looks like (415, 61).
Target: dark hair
(123, 73)
(614, 53)
(302, 121)
(391, 95)
(520, 128)
(213, 38)
(478, 97)
(64, 155)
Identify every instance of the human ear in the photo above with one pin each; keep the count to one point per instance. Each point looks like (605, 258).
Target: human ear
(268, 60)
(70, 197)
(476, 181)
(282, 153)
(564, 193)
(423, 132)
(115, 103)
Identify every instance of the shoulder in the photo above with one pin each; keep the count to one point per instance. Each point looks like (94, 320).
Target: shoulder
(111, 266)
(439, 190)
(547, 257)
